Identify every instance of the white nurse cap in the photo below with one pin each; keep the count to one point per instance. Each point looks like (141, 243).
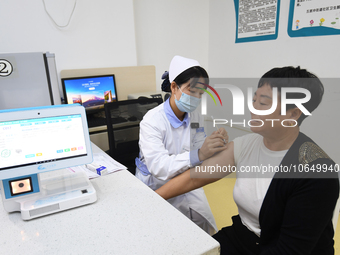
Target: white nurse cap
(179, 64)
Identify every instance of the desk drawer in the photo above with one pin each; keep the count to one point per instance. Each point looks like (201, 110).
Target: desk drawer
(121, 136)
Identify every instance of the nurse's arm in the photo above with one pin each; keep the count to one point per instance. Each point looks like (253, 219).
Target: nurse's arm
(200, 175)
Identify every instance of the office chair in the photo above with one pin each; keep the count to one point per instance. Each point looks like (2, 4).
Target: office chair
(122, 120)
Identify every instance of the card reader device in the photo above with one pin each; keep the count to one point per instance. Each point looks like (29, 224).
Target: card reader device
(36, 146)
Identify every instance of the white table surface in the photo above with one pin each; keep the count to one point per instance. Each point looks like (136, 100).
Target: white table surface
(128, 218)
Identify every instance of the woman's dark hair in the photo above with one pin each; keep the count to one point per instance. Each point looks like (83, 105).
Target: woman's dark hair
(295, 77)
(194, 72)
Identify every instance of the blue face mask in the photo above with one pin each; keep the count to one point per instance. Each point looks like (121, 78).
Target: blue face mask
(187, 103)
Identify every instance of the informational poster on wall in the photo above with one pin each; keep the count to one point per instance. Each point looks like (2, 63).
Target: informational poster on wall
(256, 20)
(314, 18)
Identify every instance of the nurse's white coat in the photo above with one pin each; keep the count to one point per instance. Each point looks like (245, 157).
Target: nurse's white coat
(165, 152)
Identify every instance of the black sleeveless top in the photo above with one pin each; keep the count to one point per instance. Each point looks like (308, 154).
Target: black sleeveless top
(296, 214)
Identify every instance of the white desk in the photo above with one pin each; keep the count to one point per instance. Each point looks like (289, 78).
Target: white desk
(128, 218)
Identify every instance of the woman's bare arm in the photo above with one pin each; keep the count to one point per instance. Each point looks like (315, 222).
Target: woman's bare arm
(209, 171)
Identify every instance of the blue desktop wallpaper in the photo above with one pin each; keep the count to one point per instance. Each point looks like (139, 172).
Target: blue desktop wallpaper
(90, 92)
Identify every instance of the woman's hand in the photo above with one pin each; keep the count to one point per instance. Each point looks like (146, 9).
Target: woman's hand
(214, 143)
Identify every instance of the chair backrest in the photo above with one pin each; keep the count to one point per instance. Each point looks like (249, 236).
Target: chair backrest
(122, 120)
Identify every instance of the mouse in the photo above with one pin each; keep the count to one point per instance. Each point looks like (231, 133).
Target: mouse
(132, 118)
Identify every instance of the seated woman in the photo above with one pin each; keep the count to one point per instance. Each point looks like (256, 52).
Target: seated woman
(172, 139)
(283, 212)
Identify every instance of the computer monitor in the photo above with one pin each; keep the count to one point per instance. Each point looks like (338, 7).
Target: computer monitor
(36, 140)
(92, 92)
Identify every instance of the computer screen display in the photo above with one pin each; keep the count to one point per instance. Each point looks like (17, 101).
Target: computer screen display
(43, 139)
(91, 92)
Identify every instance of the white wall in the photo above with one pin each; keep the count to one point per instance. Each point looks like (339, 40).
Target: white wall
(108, 33)
(100, 34)
(167, 28)
(319, 54)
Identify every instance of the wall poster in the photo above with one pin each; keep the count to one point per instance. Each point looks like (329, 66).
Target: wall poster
(256, 20)
(314, 18)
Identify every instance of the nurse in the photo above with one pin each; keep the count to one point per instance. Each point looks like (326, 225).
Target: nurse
(172, 139)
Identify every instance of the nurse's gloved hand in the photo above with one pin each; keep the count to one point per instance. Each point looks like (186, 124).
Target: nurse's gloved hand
(214, 143)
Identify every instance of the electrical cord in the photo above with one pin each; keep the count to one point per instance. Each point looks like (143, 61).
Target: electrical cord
(68, 22)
